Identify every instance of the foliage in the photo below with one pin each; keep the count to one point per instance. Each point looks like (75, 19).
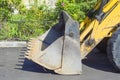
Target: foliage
(20, 30)
(5, 10)
(36, 20)
(76, 8)
(28, 23)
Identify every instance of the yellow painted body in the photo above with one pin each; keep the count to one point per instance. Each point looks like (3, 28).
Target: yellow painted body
(94, 31)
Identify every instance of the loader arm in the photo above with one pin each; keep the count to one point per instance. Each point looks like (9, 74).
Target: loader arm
(98, 29)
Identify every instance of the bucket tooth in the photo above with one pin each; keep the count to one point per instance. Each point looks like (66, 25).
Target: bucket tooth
(29, 48)
(31, 39)
(29, 44)
(27, 54)
(28, 57)
(28, 51)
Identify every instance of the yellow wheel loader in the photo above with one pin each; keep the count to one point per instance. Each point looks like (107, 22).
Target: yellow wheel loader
(65, 44)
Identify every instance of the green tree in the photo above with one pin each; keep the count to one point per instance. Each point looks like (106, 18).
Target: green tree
(5, 9)
(76, 8)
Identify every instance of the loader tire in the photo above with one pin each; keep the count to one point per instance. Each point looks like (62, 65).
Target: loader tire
(102, 46)
(113, 50)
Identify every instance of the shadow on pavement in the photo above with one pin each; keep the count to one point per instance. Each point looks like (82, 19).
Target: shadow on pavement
(95, 59)
(27, 65)
(99, 61)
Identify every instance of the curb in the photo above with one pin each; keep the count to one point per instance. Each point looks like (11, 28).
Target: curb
(13, 44)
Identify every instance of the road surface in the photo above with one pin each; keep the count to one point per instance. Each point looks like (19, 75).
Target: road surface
(14, 66)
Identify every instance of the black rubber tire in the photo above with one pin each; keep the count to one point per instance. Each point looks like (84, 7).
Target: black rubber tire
(113, 50)
(102, 46)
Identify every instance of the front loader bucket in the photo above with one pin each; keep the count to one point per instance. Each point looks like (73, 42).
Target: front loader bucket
(59, 48)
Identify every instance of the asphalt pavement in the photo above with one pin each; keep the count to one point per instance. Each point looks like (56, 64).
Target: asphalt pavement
(14, 66)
